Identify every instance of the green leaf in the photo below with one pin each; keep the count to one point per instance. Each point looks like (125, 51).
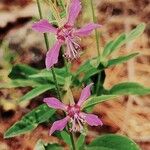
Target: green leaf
(80, 141)
(98, 148)
(22, 71)
(113, 142)
(47, 74)
(84, 67)
(53, 147)
(89, 74)
(99, 80)
(136, 32)
(66, 137)
(97, 99)
(36, 92)
(89, 70)
(112, 46)
(127, 88)
(19, 83)
(122, 39)
(30, 121)
(121, 59)
(107, 49)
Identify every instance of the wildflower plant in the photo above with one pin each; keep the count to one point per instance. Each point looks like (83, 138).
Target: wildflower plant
(75, 115)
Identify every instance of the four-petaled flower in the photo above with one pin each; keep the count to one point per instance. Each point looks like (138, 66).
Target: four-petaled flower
(74, 113)
(67, 34)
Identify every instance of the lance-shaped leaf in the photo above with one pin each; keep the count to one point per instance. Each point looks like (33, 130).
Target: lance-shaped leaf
(121, 59)
(80, 142)
(53, 147)
(122, 39)
(97, 99)
(47, 74)
(127, 88)
(89, 68)
(112, 46)
(19, 83)
(112, 142)
(30, 121)
(84, 67)
(66, 137)
(36, 92)
(136, 32)
(22, 71)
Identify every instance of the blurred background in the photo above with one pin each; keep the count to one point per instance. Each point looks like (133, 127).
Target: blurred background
(129, 115)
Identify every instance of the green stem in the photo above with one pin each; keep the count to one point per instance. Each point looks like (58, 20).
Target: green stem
(53, 72)
(47, 47)
(96, 32)
(98, 81)
(72, 141)
(97, 44)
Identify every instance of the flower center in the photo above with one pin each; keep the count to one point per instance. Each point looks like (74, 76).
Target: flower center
(72, 110)
(65, 32)
(75, 118)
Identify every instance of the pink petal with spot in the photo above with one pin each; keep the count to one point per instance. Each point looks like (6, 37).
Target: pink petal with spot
(86, 92)
(74, 9)
(44, 26)
(87, 29)
(55, 103)
(59, 125)
(92, 119)
(52, 55)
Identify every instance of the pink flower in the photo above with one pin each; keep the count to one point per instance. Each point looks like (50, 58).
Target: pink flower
(74, 113)
(67, 34)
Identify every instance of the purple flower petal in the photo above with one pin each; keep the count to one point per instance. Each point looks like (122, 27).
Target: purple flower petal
(74, 10)
(87, 29)
(59, 125)
(92, 119)
(43, 26)
(55, 103)
(52, 55)
(86, 92)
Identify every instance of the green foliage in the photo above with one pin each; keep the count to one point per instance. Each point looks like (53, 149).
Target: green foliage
(113, 45)
(89, 69)
(112, 142)
(95, 65)
(98, 148)
(41, 80)
(47, 75)
(30, 121)
(66, 137)
(80, 142)
(36, 92)
(41, 145)
(19, 83)
(136, 32)
(53, 147)
(97, 99)
(22, 71)
(122, 39)
(121, 59)
(127, 88)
